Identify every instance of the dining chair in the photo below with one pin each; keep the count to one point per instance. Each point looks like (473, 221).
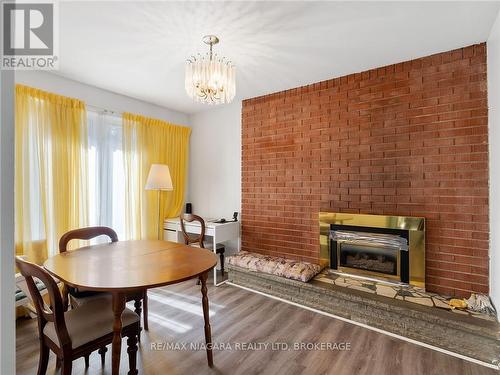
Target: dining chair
(78, 332)
(80, 297)
(190, 238)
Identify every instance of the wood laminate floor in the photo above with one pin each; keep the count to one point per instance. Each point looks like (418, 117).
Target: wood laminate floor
(239, 317)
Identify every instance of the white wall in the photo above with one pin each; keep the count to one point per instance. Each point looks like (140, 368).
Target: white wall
(97, 97)
(215, 162)
(7, 290)
(493, 52)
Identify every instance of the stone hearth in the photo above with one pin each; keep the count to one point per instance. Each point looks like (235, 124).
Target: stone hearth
(406, 293)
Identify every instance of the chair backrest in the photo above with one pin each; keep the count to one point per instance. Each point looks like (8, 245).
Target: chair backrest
(85, 234)
(189, 239)
(54, 312)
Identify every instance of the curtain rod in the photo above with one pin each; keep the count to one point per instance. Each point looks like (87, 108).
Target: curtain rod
(103, 110)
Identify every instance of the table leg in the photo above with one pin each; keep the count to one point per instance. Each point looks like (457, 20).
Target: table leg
(119, 300)
(215, 252)
(206, 317)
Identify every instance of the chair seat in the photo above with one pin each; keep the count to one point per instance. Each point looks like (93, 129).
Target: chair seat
(89, 322)
(79, 301)
(76, 293)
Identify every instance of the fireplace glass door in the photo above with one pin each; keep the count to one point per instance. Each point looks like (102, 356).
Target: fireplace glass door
(374, 259)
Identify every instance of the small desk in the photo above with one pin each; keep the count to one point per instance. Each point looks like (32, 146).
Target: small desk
(220, 232)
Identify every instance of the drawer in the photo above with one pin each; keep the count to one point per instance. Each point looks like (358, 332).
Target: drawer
(170, 235)
(171, 226)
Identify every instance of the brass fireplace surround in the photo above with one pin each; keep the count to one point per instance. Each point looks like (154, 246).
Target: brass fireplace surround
(414, 225)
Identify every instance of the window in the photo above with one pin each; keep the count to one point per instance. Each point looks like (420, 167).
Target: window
(78, 167)
(106, 172)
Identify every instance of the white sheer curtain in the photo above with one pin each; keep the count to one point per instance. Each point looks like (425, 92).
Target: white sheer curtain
(106, 172)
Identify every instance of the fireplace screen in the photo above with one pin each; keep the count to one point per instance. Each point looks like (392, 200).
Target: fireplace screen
(372, 253)
(371, 258)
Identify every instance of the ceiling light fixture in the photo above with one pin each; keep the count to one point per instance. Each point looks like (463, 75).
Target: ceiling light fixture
(209, 78)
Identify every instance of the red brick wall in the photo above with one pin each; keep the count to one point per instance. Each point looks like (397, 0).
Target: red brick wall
(408, 139)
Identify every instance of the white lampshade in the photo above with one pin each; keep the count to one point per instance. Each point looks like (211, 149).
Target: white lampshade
(159, 178)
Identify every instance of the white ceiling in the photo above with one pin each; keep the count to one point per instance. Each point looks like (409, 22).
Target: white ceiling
(139, 49)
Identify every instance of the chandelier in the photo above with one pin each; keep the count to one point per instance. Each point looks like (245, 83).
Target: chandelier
(210, 78)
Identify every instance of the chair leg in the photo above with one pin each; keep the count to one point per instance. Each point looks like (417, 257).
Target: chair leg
(67, 365)
(65, 297)
(102, 351)
(145, 310)
(132, 354)
(222, 263)
(58, 363)
(44, 359)
(87, 360)
(138, 306)
(138, 310)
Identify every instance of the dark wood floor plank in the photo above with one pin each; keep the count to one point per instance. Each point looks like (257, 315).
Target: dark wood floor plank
(239, 316)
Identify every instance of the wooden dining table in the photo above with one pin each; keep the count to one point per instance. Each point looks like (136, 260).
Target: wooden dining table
(123, 267)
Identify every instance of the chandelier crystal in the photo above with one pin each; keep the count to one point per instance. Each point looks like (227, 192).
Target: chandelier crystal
(209, 78)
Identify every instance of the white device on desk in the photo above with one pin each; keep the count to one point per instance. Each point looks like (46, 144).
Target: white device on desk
(219, 232)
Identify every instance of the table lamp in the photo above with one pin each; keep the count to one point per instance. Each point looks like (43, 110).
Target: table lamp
(159, 179)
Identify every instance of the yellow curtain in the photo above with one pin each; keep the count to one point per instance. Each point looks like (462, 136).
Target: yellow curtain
(148, 141)
(50, 170)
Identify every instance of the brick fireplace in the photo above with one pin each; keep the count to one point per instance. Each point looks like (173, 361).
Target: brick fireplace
(409, 139)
